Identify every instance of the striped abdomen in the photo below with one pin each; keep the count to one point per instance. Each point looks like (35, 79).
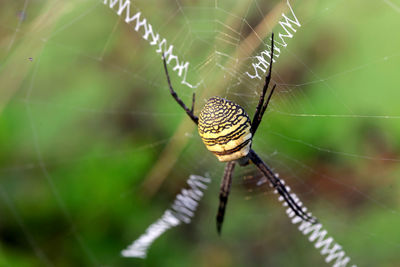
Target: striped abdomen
(224, 128)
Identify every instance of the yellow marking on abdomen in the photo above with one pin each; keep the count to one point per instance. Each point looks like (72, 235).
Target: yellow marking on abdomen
(224, 128)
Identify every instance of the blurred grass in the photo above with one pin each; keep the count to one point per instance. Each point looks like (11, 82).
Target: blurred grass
(84, 122)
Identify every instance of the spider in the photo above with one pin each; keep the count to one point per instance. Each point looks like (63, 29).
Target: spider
(226, 130)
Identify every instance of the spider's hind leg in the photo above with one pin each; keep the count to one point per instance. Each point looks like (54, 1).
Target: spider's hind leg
(188, 111)
(262, 103)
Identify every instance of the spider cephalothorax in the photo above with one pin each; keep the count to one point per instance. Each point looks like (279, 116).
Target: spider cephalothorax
(224, 128)
(227, 131)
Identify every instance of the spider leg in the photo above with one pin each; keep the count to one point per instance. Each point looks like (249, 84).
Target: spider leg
(193, 100)
(280, 187)
(189, 112)
(261, 107)
(224, 193)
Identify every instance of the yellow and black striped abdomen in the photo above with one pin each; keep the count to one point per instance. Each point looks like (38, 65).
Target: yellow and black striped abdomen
(224, 128)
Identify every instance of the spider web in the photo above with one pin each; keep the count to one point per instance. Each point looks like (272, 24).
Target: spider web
(94, 148)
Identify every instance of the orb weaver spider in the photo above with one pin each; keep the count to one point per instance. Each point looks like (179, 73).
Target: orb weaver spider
(226, 130)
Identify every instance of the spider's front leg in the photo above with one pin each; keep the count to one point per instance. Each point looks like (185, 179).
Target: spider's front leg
(224, 193)
(280, 187)
(189, 112)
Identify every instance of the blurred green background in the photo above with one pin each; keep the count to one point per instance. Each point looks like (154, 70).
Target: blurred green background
(93, 148)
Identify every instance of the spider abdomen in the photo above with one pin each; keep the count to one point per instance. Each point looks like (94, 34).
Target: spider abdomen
(224, 128)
